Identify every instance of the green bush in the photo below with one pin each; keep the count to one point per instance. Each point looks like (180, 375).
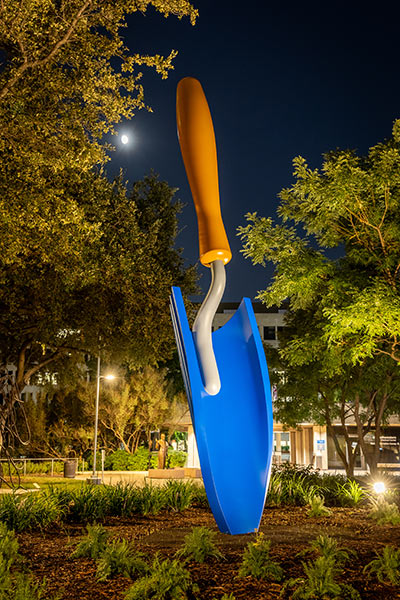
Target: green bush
(384, 513)
(93, 544)
(319, 583)
(317, 507)
(167, 580)
(294, 485)
(25, 588)
(8, 546)
(151, 500)
(119, 558)
(257, 562)
(178, 494)
(386, 566)
(176, 458)
(325, 546)
(350, 493)
(30, 511)
(199, 545)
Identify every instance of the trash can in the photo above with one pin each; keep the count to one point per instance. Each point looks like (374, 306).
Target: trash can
(70, 469)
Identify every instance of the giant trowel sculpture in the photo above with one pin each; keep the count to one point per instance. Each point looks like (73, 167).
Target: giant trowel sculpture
(225, 372)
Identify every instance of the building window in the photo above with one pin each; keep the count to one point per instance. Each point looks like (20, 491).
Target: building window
(269, 333)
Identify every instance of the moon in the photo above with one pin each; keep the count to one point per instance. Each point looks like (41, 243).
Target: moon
(124, 139)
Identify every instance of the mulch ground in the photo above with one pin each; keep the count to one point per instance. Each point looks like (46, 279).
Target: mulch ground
(48, 554)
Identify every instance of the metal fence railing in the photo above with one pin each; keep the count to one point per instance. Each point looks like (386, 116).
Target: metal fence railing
(23, 468)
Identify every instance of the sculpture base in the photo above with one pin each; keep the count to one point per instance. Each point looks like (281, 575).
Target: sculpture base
(166, 473)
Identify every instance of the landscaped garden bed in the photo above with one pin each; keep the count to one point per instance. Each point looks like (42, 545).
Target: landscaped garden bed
(156, 523)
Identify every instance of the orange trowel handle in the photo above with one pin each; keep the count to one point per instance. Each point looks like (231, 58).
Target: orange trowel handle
(197, 141)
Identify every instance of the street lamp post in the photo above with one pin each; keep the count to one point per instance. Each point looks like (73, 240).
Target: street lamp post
(93, 478)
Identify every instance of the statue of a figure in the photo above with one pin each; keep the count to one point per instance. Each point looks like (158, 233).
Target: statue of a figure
(162, 444)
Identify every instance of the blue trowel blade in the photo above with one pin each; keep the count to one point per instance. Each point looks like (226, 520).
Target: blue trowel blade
(234, 428)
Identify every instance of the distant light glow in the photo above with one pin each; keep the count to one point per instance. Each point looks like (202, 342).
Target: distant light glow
(379, 487)
(124, 139)
(110, 377)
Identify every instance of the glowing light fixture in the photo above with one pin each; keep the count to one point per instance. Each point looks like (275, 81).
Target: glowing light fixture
(124, 139)
(379, 487)
(110, 377)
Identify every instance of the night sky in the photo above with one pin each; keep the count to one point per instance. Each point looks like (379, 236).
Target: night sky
(282, 80)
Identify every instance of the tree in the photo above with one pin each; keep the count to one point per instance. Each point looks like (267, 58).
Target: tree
(138, 406)
(350, 305)
(311, 388)
(110, 296)
(352, 205)
(76, 264)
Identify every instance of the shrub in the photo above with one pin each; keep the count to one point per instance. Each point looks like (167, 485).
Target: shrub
(199, 496)
(386, 566)
(167, 580)
(199, 545)
(319, 583)
(384, 513)
(30, 511)
(226, 597)
(8, 546)
(294, 485)
(350, 493)
(176, 458)
(25, 588)
(317, 508)
(93, 544)
(257, 562)
(151, 500)
(327, 547)
(178, 495)
(119, 558)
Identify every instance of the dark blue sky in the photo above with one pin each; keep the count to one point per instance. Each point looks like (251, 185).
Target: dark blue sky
(282, 80)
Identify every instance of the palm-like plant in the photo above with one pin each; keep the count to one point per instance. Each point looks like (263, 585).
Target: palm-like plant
(257, 561)
(119, 558)
(200, 545)
(317, 507)
(386, 566)
(93, 544)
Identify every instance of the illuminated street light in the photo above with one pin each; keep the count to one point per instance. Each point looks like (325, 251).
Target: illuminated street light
(379, 487)
(124, 139)
(93, 478)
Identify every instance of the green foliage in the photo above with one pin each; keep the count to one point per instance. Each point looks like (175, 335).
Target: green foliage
(294, 485)
(327, 547)
(89, 504)
(31, 467)
(167, 580)
(319, 583)
(199, 545)
(30, 511)
(227, 597)
(121, 460)
(386, 566)
(151, 500)
(80, 257)
(351, 493)
(119, 558)
(176, 458)
(318, 508)
(257, 562)
(178, 494)
(384, 513)
(26, 588)
(8, 546)
(340, 354)
(93, 544)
